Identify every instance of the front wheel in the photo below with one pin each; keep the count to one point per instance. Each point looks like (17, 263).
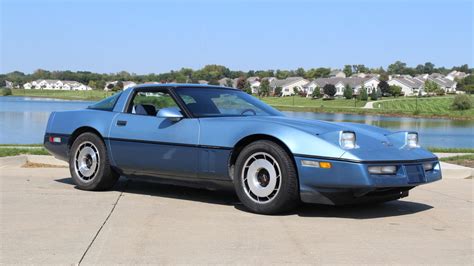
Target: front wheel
(265, 178)
(89, 163)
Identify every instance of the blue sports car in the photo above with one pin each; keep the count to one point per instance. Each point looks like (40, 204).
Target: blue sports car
(210, 136)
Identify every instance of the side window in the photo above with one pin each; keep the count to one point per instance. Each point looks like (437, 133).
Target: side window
(229, 104)
(149, 103)
(106, 104)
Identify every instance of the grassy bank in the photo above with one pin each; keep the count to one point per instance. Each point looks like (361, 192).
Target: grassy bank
(432, 106)
(66, 95)
(11, 151)
(464, 160)
(436, 107)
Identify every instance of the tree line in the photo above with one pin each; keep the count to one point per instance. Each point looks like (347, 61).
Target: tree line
(213, 73)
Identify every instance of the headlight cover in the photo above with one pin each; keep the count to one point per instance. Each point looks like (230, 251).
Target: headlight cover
(347, 140)
(412, 140)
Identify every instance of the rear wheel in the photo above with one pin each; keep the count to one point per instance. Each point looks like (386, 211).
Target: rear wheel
(265, 178)
(89, 163)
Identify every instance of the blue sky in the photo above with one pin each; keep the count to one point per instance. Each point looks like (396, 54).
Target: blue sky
(157, 36)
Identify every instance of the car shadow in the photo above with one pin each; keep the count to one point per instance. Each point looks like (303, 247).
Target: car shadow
(229, 198)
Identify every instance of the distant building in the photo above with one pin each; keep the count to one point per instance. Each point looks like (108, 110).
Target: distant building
(337, 73)
(355, 83)
(289, 85)
(448, 85)
(54, 84)
(126, 84)
(410, 86)
(456, 75)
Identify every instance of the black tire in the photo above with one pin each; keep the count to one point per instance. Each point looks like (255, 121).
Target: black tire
(103, 177)
(286, 196)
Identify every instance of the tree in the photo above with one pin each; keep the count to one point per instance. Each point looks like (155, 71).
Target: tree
(347, 70)
(428, 68)
(300, 72)
(229, 83)
(397, 68)
(93, 85)
(469, 89)
(329, 90)
(277, 91)
(360, 68)
(363, 94)
(240, 83)
(348, 92)
(384, 88)
(395, 90)
(431, 87)
(247, 87)
(316, 93)
(374, 95)
(110, 86)
(118, 86)
(264, 89)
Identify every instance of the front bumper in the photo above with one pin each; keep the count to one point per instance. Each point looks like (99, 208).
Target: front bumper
(348, 182)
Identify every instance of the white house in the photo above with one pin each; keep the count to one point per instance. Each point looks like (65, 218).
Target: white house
(254, 84)
(337, 73)
(355, 83)
(289, 85)
(456, 75)
(54, 84)
(448, 85)
(410, 86)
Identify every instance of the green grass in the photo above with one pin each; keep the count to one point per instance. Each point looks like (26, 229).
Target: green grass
(21, 145)
(464, 160)
(298, 101)
(451, 150)
(429, 106)
(93, 95)
(17, 151)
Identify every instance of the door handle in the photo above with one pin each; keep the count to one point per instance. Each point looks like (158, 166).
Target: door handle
(121, 123)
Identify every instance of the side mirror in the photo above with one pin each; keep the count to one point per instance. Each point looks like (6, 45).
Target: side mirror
(171, 113)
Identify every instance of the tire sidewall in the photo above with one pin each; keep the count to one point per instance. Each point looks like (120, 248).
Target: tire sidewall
(288, 194)
(101, 149)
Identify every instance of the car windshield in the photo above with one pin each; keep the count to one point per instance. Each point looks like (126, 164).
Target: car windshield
(211, 102)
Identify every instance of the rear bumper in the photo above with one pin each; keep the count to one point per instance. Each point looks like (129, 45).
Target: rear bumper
(58, 149)
(349, 182)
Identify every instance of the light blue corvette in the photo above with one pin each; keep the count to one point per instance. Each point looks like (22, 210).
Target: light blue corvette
(210, 136)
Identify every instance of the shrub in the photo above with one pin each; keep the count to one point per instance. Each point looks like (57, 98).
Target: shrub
(5, 92)
(374, 95)
(348, 92)
(277, 91)
(329, 90)
(440, 92)
(316, 93)
(363, 94)
(396, 90)
(462, 102)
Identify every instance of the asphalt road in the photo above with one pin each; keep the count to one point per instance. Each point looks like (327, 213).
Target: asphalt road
(44, 219)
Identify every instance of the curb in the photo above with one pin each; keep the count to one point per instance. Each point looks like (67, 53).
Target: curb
(20, 160)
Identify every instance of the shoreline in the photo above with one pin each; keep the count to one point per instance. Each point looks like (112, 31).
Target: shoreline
(367, 112)
(315, 109)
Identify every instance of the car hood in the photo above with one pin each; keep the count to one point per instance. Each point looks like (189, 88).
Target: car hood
(373, 143)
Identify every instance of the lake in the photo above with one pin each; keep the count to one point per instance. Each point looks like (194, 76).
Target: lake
(23, 121)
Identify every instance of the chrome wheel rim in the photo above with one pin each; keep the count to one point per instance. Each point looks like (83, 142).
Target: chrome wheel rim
(261, 177)
(86, 161)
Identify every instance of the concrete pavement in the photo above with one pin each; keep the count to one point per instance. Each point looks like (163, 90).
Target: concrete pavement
(44, 219)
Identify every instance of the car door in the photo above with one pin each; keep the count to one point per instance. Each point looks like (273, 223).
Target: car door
(143, 144)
